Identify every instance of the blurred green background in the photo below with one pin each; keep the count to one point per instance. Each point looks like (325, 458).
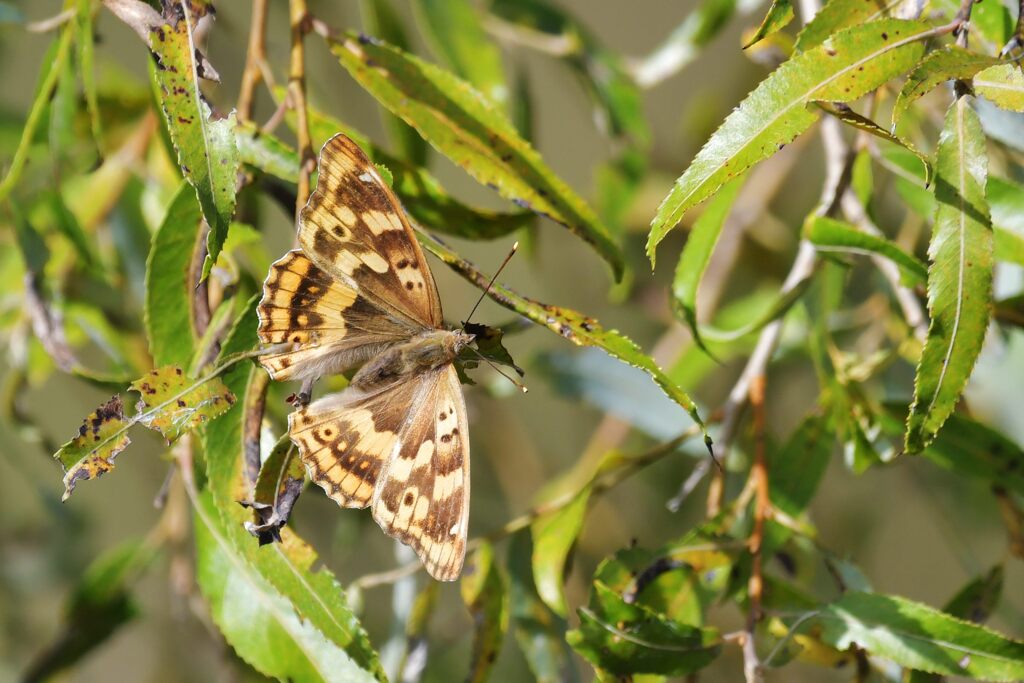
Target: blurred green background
(914, 530)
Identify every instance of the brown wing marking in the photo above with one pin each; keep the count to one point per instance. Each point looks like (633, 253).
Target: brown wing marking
(422, 496)
(329, 325)
(345, 440)
(355, 229)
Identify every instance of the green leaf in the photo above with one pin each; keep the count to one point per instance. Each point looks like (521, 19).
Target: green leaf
(852, 63)
(173, 404)
(66, 224)
(1003, 86)
(919, 637)
(257, 620)
(828, 234)
(86, 68)
(625, 639)
(98, 606)
(206, 147)
(31, 244)
(780, 13)
(487, 343)
(53, 64)
(837, 15)
(696, 255)
(265, 152)
(314, 598)
(101, 437)
(539, 631)
(554, 536)
(978, 598)
(381, 20)
(797, 467)
(485, 592)
(967, 447)
(776, 308)
(569, 324)
(63, 108)
(169, 297)
(937, 68)
(959, 278)
(473, 133)
(861, 122)
(455, 32)
(278, 486)
(602, 73)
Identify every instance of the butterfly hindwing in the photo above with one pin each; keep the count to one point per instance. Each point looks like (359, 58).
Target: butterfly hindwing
(422, 496)
(355, 229)
(329, 326)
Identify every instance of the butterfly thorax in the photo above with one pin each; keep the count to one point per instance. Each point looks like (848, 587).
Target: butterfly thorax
(426, 351)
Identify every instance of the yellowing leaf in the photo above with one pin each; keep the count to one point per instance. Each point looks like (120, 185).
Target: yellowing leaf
(1003, 85)
(101, 437)
(172, 404)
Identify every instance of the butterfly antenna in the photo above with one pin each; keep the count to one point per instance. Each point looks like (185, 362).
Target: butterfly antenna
(522, 387)
(490, 284)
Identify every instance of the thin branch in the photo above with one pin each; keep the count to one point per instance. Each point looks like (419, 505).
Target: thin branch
(51, 23)
(752, 669)
(300, 25)
(963, 19)
(255, 60)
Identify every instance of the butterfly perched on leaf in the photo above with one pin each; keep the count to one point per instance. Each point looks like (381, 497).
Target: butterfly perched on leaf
(359, 294)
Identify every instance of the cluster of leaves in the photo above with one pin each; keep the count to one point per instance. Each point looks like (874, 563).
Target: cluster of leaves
(185, 345)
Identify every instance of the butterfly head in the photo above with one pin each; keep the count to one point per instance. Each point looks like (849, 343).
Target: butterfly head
(457, 340)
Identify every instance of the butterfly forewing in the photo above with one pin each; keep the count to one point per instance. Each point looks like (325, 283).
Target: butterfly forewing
(354, 228)
(328, 325)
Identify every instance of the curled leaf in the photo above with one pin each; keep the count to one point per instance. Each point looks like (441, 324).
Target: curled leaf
(278, 486)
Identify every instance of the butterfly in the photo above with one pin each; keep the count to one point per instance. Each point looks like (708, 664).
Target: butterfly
(359, 294)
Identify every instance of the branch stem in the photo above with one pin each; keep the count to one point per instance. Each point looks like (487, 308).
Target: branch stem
(300, 24)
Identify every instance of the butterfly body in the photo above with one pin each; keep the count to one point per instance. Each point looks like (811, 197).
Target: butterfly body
(359, 294)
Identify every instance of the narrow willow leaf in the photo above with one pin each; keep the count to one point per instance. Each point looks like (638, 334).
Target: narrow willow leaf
(63, 108)
(456, 34)
(696, 255)
(103, 434)
(861, 122)
(937, 68)
(685, 42)
(1003, 86)
(967, 447)
(625, 639)
(86, 68)
(617, 98)
(829, 234)
(313, 597)
(168, 295)
(837, 15)
(173, 404)
(485, 592)
(473, 133)
(66, 224)
(919, 637)
(780, 13)
(798, 466)
(266, 152)
(572, 325)
(539, 631)
(52, 66)
(554, 536)
(206, 147)
(776, 308)
(98, 606)
(959, 278)
(277, 488)
(257, 620)
(852, 63)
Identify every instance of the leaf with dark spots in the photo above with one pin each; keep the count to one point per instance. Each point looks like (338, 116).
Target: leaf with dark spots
(205, 145)
(173, 404)
(474, 134)
(278, 486)
(572, 325)
(101, 437)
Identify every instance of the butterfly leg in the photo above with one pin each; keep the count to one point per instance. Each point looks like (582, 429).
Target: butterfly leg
(305, 392)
